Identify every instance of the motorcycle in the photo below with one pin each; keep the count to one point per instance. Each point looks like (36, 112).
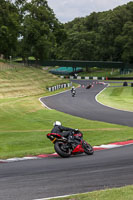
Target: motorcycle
(89, 86)
(65, 149)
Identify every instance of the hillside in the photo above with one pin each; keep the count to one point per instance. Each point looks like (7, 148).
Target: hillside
(19, 81)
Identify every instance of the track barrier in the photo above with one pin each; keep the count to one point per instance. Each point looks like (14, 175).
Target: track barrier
(65, 85)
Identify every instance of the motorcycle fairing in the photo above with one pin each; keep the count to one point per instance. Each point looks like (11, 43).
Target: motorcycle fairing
(78, 149)
(53, 136)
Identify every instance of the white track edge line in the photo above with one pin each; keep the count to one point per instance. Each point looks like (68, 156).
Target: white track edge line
(61, 196)
(50, 96)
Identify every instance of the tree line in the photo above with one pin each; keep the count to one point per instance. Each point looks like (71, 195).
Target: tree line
(102, 36)
(30, 28)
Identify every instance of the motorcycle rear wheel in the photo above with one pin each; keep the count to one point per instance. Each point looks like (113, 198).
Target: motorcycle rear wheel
(61, 150)
(88, 149)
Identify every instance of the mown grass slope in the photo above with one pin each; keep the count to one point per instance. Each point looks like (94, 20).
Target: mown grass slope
(23, 81)
(118, 97)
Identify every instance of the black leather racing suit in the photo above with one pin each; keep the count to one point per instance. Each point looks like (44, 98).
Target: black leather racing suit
(73, 90)
(64, 131)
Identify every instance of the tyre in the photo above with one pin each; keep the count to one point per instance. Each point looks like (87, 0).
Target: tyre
(62, 149)
(88, 149)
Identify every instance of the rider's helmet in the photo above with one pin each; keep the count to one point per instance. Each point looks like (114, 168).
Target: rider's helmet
(57, 123)
(73, 87)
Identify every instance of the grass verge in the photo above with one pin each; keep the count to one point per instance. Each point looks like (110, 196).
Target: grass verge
(117, 97)
(104, 72)
(123, 193)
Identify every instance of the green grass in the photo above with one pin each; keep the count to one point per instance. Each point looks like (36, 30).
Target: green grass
(102, 72)
(123, 193)
(117, 97)
(22, 81)
(20, 59)
(25, 122)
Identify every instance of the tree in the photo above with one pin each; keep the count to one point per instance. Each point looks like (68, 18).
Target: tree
(78, 46)
(127, 41)
(40, 30)
(9, 26)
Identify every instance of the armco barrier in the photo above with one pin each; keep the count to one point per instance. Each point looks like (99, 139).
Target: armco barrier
(53, 88)
(82, 77)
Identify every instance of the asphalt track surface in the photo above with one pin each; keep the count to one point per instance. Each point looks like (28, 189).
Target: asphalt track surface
(84, 105)
(49, 177)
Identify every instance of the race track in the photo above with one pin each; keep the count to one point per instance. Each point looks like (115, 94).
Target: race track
(48, 177)
(84, 105)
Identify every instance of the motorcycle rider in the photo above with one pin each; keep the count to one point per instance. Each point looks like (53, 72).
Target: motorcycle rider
(64, 131)
(73, 90)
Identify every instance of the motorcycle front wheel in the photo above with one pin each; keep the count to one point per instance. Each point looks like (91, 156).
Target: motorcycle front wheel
(88, 149)
(62, 149)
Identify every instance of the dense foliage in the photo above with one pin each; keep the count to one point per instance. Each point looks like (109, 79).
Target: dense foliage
(100, 36)
(39, 30)
(9, 27)
(30, 28)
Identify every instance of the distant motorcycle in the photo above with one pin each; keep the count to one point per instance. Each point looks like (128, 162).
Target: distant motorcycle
(88, 86)
(66, 149)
